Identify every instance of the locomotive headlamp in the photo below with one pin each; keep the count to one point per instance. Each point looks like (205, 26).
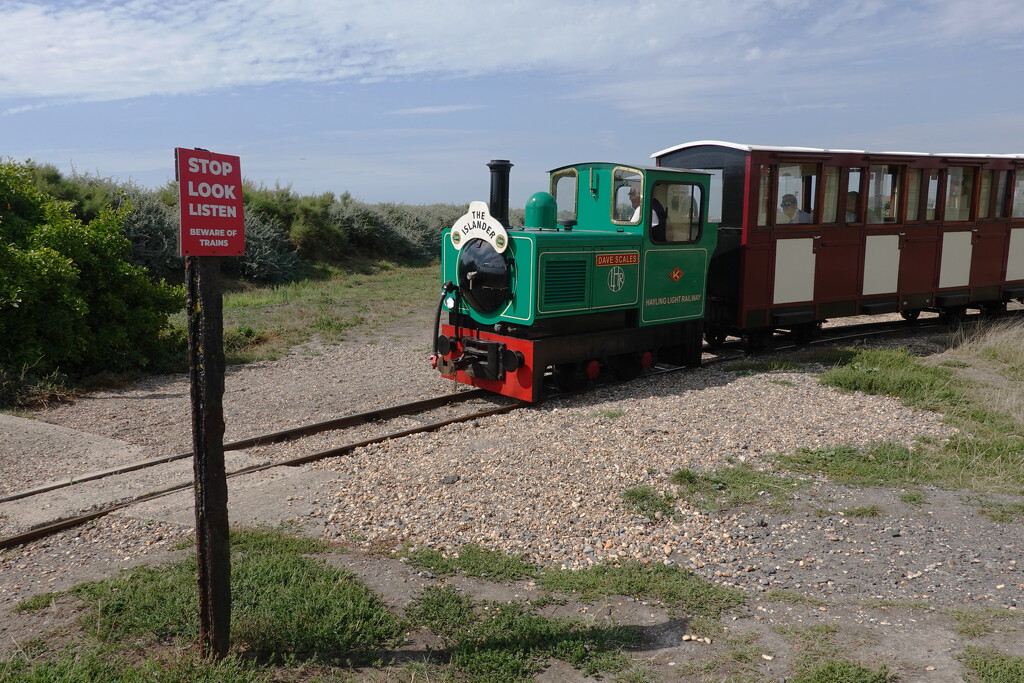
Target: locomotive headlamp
(449, 302)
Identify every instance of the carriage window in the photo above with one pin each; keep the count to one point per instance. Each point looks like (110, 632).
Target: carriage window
(1002, 181)
(883, 194)
(796, 190)
(990, 206)
(985, 195)
(913, 194)
(959, 188)
(831, 207)
(715, 187)
(679, 205)
(563, 188)
(932, 194)
(1018, 195)
(629, 188)
(853, 195)
(764, 196)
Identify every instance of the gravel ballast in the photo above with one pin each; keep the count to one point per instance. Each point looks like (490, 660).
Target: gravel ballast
(548, 481)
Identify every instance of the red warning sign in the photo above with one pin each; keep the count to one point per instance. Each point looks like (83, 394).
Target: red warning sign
(212, 214)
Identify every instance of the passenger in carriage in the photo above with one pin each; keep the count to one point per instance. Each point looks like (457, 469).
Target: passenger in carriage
(852, 213)
(791, 213)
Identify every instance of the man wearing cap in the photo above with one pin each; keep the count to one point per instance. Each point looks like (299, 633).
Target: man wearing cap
(791, 213)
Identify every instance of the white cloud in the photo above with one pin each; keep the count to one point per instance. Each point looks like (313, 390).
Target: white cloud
(124, 48)
(439, 109)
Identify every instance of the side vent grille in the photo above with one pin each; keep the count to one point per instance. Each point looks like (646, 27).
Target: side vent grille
(565, 282)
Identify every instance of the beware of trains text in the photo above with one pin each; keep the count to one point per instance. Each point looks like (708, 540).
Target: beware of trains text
(212, 215)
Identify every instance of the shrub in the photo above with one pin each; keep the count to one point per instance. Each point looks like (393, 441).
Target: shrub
(152, 228)
(269, 254)
(69, 297)
(88, 195)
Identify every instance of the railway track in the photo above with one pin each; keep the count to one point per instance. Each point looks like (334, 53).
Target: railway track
(404, 410)
(729, 351)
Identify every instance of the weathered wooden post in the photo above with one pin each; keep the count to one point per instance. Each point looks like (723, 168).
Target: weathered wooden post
(212, 225)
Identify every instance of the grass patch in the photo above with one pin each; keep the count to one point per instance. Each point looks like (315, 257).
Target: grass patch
(497, 642)
(883, 464)
(820, 660)
(913, 498)
(671, 585)
(1003, 513)
(262, 323)
(987, 453)
(674, 586)
(864, 511)
(794, 362)
(732, 486)
(898, 373)
(287, 609)
(472, 560)
(284, 605)
(979, 622)
(648, 502)
(991, 666)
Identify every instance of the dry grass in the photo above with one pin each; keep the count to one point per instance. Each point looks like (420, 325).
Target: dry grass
(993, 355)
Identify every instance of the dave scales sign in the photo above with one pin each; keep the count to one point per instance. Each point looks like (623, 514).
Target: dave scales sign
(210, 189)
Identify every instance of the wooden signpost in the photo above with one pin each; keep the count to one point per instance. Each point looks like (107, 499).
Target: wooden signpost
(212, 226)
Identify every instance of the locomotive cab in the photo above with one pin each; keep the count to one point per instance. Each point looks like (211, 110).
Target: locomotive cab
(608, 273)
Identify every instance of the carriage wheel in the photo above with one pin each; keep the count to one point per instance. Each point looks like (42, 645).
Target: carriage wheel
(910, 315)
(955, 316)
(755, 341)
(715, 337)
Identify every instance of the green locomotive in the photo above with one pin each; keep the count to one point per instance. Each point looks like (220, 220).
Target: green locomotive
(609, 273)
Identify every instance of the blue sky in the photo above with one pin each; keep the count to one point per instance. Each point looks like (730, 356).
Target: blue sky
(406, 101)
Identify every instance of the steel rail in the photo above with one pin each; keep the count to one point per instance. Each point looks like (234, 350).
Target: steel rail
(274, 437)
(67, 523)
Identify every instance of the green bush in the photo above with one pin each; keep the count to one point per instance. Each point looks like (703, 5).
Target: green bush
(70, 300)
(87, 195)
(334, 231)
(152, 228)
(269, 254)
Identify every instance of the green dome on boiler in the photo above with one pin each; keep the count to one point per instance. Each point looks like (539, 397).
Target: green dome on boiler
(541, 211)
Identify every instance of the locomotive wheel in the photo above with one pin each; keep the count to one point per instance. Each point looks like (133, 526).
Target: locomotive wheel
(911, 315)
(627, 366)
(571, 376)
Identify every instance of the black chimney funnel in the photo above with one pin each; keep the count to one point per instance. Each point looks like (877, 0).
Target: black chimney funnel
(499, 189)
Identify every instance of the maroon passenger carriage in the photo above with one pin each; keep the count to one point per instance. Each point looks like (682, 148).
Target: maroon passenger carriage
(810, 234)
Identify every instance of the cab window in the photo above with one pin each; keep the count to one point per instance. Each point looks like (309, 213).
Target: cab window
(628, 195)
(676, 213)
(563, 189)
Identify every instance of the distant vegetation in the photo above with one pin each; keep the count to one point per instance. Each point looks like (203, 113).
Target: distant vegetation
(90, 273)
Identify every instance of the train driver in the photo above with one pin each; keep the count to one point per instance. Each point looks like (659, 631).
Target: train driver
(658, 214)
(791, 213)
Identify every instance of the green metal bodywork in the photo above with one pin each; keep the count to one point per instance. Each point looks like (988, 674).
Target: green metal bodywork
(601, 262)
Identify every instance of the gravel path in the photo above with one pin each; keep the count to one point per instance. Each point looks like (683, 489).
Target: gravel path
(548, 480)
